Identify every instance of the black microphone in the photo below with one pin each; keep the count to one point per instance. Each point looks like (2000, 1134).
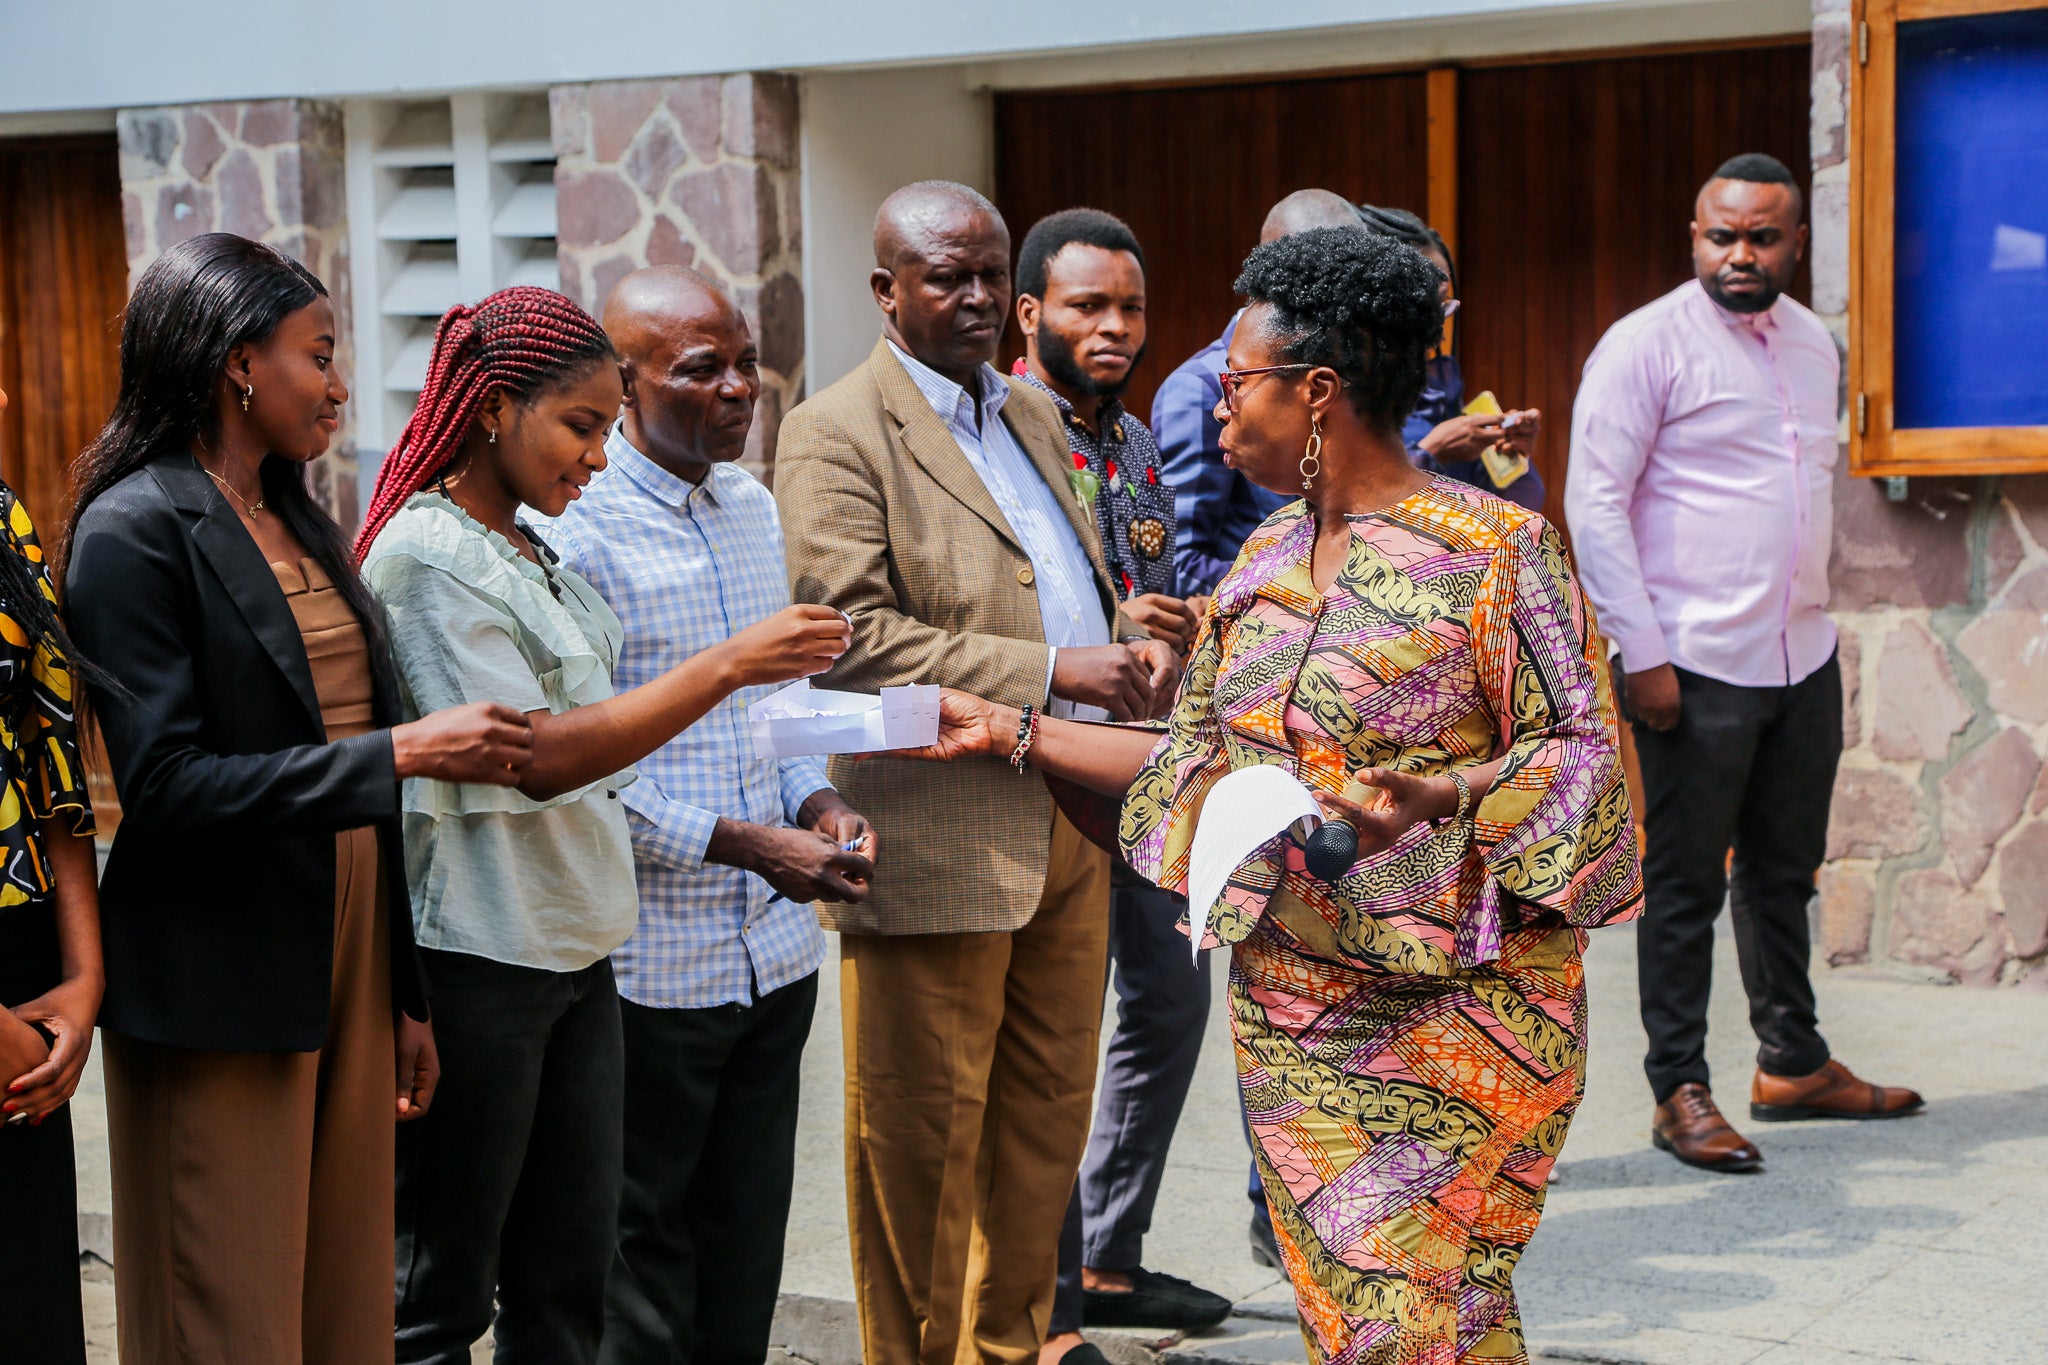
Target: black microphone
(1331, 849)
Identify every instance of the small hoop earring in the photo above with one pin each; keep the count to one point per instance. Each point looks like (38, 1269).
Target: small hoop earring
(1312, 458)
(247, 394)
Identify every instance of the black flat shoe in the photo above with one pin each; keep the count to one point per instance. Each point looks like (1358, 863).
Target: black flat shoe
(1153, 1300)
(1084, 1354)
(1265, 1249)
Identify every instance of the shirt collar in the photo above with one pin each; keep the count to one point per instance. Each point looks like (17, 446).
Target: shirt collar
(668, 489)
(1110, 418)
(944, 395)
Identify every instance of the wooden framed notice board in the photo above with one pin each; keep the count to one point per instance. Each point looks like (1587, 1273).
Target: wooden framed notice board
(1948, 228)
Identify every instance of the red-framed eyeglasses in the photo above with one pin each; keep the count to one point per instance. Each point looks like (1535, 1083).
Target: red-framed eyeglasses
(1233, 380)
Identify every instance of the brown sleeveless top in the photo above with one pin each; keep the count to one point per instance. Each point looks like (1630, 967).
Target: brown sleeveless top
(335, 647)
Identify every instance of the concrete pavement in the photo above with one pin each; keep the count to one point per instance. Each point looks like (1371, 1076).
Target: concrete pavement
(1922, 1239)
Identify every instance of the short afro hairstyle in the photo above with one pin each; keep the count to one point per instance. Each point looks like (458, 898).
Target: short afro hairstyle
(1055, 232)
(1364, 305)
(1758, 168)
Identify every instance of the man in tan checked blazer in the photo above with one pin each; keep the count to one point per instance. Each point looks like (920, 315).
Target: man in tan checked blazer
(927, 496)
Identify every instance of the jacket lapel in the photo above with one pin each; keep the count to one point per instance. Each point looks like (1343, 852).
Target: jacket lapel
(1048, 449)
(930, 441)
(235, 559)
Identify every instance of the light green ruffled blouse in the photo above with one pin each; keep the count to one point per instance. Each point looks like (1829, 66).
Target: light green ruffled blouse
(546, 884)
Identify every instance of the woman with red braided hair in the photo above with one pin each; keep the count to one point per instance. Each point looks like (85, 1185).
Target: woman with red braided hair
(508, 1190)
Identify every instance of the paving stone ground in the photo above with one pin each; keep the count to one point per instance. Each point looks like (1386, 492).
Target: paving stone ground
(1920, 1240)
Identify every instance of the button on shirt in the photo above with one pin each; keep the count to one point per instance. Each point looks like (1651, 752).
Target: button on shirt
(1068, 603)
(686, 566)
(1700, 494)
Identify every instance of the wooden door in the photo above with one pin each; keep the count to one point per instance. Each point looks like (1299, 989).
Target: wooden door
(1576, 183)
(1194, 169)
(63, 284)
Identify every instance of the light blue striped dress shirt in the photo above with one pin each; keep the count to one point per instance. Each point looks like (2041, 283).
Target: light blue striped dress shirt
(686, 566)
(1068, 602)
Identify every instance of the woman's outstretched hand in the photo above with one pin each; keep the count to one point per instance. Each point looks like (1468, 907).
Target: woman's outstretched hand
(484, 741)
(969, 727)
(1403, 801)
(797, 642)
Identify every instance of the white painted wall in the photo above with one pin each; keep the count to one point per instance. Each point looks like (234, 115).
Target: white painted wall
(865, 134)
(84, 54)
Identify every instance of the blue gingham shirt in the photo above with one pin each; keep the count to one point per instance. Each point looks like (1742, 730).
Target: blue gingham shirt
(686, 566)
(1068, 603)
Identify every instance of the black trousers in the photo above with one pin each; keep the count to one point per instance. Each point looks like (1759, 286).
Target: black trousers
(1752, 769)
(40, 1312)
(509, 1187)
(1162, 994)
(711, 1109)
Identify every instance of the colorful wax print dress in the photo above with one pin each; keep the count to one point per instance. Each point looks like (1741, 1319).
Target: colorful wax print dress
(1411, 1039)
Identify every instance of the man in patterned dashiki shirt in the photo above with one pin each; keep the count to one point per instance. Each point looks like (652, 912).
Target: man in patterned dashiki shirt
(1081, 308)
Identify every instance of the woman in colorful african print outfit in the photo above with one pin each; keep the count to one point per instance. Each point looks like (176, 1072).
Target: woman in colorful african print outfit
(50, 974)
(1411, 1036)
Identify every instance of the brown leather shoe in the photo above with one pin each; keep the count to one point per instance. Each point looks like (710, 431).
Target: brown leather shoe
(1833, 1092)
(1690, 1127)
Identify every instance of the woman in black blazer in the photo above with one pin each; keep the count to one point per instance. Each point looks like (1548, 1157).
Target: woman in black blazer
(265, 1014)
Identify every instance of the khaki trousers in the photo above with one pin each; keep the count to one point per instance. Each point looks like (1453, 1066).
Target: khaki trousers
(970, 1073)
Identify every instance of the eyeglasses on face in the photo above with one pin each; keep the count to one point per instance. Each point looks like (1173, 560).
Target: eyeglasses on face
(1233, 380)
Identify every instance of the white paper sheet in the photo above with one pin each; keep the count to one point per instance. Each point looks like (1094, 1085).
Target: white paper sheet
(1243, 811)
(801, 719)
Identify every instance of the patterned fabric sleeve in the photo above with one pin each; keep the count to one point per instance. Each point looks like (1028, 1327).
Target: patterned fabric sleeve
(1161, 807)
(52, 773)
(1555, 834)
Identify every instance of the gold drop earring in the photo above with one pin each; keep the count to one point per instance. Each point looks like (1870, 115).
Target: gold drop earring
(1312, 458)
(247, 393)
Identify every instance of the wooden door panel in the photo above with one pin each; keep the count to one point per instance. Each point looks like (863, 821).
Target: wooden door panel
(63, 284)
(1193, 170)
(1576, 183)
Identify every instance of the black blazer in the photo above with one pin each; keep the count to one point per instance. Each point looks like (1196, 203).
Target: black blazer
(217, 904)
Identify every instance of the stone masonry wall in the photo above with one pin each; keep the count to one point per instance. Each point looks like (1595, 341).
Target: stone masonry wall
(1938, 853)
(268, 169)
(698, 171)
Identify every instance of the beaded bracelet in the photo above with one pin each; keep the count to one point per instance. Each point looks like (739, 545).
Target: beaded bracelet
(1465, 802)
(1464, 796)
(1027, 735)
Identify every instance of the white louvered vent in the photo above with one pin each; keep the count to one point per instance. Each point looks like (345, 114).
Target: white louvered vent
(449, 198)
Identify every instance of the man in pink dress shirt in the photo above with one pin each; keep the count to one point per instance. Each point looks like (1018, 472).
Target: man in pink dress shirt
(1699, 499)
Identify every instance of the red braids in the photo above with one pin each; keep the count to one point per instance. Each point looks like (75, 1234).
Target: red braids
(519, 339)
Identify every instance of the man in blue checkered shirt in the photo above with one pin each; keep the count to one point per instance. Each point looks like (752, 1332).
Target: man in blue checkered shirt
(719, 981)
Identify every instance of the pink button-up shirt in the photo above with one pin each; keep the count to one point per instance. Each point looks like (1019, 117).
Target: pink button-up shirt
(1700, 493)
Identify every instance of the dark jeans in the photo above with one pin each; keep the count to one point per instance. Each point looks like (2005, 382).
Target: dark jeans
(711, 1108)
(40, 1313)
(510, 1184)
(1753, 769)
(1162, 1006)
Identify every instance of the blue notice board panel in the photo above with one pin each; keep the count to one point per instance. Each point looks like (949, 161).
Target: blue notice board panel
(1970, 346)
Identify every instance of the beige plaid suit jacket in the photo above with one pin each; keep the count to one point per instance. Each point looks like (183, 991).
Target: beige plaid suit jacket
(886, 520)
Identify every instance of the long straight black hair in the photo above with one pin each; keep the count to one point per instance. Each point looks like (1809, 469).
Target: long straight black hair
(192, 306)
